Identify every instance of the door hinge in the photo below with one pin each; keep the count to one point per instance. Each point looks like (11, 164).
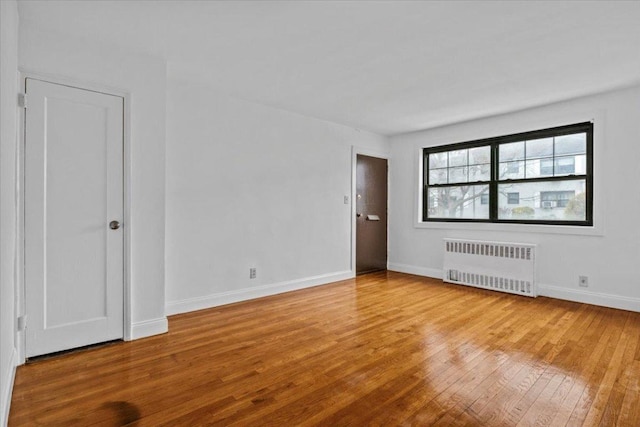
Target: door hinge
(22, 100)
(22, 323)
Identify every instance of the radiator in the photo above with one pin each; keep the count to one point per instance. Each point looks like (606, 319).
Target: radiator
(504, 267)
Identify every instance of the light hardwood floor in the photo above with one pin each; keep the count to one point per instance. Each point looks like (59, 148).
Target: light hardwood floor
(383, 349)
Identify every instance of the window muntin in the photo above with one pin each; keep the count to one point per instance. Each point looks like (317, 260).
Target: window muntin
(535, 177)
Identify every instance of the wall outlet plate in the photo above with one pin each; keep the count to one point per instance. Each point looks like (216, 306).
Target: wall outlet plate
(252, 273)
(583, 281)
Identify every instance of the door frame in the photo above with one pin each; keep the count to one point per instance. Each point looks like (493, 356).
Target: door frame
(20, 301)
(355, 150)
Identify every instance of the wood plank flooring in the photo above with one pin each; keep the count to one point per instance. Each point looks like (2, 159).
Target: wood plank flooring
(383, 349)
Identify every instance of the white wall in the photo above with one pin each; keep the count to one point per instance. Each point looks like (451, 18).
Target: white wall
(143, 78)
(253, 186)
(608, 254)
(8, 162)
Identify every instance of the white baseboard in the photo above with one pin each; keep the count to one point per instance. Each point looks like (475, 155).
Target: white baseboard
(418, 271)
(228, 297)
(148, 328)
(7, 391)
(588, 297)
(575, 295)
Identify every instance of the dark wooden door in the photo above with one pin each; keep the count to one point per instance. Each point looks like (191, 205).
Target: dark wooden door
(371, 214)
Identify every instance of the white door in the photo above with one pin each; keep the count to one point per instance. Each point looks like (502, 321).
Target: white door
(73, 193)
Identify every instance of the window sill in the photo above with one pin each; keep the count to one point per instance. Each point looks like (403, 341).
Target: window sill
(513, 228)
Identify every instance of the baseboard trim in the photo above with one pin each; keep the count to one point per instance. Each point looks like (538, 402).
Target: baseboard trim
(228, 297)
(588, 297)
(418, 271)
(558, 292)
(7, 392)
(148, 328)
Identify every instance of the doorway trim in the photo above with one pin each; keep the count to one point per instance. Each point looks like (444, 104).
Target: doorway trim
(20, 301)
(355, 150)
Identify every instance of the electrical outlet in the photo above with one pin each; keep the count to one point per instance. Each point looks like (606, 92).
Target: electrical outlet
(346, 200)
(252, 273)
(583, 281)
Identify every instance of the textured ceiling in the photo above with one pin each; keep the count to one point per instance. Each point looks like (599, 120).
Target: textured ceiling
(388, 67)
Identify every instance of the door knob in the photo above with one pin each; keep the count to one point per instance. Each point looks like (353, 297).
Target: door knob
(114, 225)
(358, 215)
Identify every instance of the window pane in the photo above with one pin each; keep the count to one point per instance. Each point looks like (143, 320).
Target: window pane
(556, 199)
(539, 148)
(480, 155)
(457, 175)
(545, 201)
(581, 165)
(479, 173)
(537, 168)
(458, 157)
(438, 160)
(511, 151)
(565, 165)
(438, 176)
(512, 170)
(458, 202)
(571, 144)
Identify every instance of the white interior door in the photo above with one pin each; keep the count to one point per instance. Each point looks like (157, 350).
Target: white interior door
(73, 191)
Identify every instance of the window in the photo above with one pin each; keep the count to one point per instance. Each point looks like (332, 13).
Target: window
(562, 165)
(451, 172)
(555, 199)
(539, 177)
(513, 168)
(546, 167)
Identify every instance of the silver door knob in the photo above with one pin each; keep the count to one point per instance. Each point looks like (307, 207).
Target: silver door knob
(114, 225)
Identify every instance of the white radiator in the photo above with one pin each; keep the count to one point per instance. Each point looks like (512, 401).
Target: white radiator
(504, 267)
